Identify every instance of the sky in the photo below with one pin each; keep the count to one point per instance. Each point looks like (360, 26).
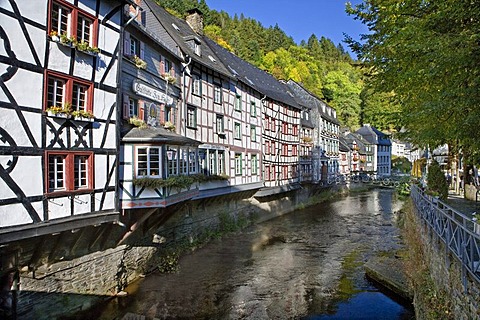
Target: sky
(298, 18)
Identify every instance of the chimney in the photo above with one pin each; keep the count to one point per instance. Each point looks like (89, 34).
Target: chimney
(195, 20)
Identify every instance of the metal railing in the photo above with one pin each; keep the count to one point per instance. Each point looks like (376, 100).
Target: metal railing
(459, 232)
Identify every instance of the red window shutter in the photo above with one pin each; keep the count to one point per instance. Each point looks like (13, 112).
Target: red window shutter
(162, 67)
(126, 107)
(126, 43)
(162, 113)
(142, 50)
(141, 113)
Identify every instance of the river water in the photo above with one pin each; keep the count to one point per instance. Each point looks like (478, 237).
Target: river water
(304, 265)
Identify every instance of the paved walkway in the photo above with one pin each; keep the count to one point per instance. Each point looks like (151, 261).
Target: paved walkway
(459, 203)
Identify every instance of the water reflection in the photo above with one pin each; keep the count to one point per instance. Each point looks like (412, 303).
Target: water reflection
(305, 264)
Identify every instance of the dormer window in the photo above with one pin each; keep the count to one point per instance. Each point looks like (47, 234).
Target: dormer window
(196, 48)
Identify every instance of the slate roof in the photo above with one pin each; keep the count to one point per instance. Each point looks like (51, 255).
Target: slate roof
(374, 136)
(254, 77)
(182, 33)
(156, 135)
(310, 100)
(360, 141)
(343, 145)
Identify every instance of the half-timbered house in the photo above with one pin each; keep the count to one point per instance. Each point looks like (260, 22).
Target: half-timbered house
(58, 132)
(154, 158)
(58, 125)
(223, 116)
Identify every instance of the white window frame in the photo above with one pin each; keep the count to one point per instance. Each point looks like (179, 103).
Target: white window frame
(149, 168)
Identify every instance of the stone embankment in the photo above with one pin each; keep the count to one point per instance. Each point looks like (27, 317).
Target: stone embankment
(389, 272)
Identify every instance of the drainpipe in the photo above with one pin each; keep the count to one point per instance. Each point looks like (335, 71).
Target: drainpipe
(184, 95)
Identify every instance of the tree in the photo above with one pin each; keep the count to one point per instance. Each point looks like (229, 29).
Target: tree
(426, 54)
(436, 182)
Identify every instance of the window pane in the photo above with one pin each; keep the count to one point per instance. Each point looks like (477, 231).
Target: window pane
(79, 97)
(60, 16)
(56, 172)
(154, 162)
(238, 164)
(80, 172)
(83, 29)
(142, 162)
(56, 92)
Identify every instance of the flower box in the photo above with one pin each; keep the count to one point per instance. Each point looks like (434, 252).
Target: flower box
(58, 115)
(84, 119)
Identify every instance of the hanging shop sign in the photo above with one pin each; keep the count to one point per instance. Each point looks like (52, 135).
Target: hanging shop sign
(151, 93)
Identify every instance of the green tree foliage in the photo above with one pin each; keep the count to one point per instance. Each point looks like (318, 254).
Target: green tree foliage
(318, 64)
(426, 52)
(401, 165)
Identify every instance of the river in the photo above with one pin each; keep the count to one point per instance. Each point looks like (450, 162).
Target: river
(304, 265)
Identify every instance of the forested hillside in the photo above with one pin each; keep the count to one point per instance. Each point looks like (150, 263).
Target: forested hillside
(321, 66)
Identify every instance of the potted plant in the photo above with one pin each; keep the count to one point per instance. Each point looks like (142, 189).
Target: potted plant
(139, 62)
(169, 78)
(54, 36)
(137, 122)
(66, 40)
(84, 47)
(169, 126)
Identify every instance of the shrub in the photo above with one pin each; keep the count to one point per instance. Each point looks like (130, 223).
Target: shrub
(437, 184)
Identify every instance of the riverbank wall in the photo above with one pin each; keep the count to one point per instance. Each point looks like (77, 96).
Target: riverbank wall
(70, 287)
(442, 287)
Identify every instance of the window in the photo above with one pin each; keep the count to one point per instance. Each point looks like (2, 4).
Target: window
(212, 161)
(285, 149)
(284, 127)
(267, 147)
(69, 171)
(183, 161)
(192, 161)
(63, 91)
(238, 102)
(238, 131)
(217, 94)
(295, 130)
(254, 164)
(196, 48)
(134, 47)
(148, 161)
(191, 117)
(219, 124)
(285, 172)
(71, 21)
(84, 28)
(294, 150)
(171, 155)
(253, 109)
(197, 85)
(169, 67)
(238, 164)
(253, 133)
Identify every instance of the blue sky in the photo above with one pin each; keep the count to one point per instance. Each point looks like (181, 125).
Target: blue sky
(298, 18)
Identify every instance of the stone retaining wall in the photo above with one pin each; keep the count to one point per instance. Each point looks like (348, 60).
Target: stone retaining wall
(446, 272)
